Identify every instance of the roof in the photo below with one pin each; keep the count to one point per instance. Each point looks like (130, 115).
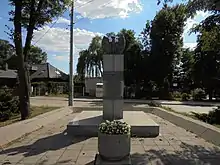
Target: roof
(47, 71)
(8, 74)
(40, 71)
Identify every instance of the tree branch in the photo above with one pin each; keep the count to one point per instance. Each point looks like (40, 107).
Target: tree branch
(32, 23)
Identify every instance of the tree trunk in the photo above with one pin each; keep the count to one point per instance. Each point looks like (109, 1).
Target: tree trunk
(210, 93)
(23, 83)
(30, 31)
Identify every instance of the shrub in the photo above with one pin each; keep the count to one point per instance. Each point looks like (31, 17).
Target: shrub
(198, 94)
(9, 104)
(176, 94)
(185, 97)
(154, 104)
(213, 117)
(115, 127)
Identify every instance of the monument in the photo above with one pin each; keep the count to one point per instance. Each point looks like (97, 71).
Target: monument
(113, 77)
(87, 122)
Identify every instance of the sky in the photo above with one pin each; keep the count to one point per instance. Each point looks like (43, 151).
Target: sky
(93, 17)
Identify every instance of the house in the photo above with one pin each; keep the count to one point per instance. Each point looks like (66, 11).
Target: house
(8, 77)
(45, 78)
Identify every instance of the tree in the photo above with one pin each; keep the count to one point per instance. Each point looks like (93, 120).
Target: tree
(37, 55)
(90, 61)
(205, 5)
(133, 71)
(207, 55)
(6, 51)
(96, 55)
(166, 45)
(30, 15)
(186, 70)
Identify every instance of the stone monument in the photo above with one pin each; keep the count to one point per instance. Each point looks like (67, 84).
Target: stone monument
(113, 77)
(86, 123)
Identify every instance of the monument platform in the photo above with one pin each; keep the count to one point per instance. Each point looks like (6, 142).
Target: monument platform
(86, 124)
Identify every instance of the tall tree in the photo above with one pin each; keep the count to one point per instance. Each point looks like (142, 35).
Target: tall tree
(207, 57)
(166, 40)
(30, 15)
(6, 51)
(132, 59)
(96, 55)
(186, 70)
(90, 61)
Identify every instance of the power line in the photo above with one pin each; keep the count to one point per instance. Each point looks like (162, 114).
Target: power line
(46, 32)
(84, 4)
(57, 21)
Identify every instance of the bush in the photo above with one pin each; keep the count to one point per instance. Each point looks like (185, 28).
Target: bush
(154, 104)
(213, 117)
(9, 104)
(198, 94)
(176, 95)
(115, 127)
(185, 97)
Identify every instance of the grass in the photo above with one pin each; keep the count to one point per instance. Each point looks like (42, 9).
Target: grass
(35, 111)
(185, 114)
(58, 95)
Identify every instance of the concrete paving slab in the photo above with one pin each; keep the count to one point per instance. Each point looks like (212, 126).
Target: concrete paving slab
(86, 124)
(191, 150)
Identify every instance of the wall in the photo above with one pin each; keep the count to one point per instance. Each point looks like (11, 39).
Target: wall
(90, 84)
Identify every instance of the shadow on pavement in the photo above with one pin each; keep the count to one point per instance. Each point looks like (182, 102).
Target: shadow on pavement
(188, 155)
(50, 143)
(185, 155)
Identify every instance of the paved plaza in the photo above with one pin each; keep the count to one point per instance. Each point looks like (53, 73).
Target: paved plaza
(51, 145)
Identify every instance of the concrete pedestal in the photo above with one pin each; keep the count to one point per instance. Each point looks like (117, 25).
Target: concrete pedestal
(100, 161)
(86, 124)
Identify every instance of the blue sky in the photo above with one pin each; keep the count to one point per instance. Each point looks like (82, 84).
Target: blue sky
(93, 17)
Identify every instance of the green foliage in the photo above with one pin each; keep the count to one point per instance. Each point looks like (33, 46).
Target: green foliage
(6, 51)
(37, 56)
(185, 97)
(198, 94)
(166, 45)
(154, 104)
(213, 117)
(90, 61)
(44, 11)
(115, 127)
(176, 94)
(202, 5)
(207, 68)
(9, 104)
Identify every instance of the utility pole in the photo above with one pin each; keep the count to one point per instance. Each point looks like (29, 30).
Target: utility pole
(71, 84)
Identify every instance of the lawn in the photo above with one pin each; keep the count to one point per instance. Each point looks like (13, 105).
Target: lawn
(35, 111)
(185, 114)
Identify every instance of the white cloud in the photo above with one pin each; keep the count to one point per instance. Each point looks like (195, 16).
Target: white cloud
(57, 41)
(191, 46)
(63, 20)
(200, 15)
(107, 8)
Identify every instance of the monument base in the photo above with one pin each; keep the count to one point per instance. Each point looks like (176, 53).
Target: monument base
(86, 124)
(100, 161)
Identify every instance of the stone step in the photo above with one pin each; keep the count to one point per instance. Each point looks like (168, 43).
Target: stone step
(86, 124)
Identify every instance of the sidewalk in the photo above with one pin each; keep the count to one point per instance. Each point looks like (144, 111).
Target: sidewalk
(14, 131)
